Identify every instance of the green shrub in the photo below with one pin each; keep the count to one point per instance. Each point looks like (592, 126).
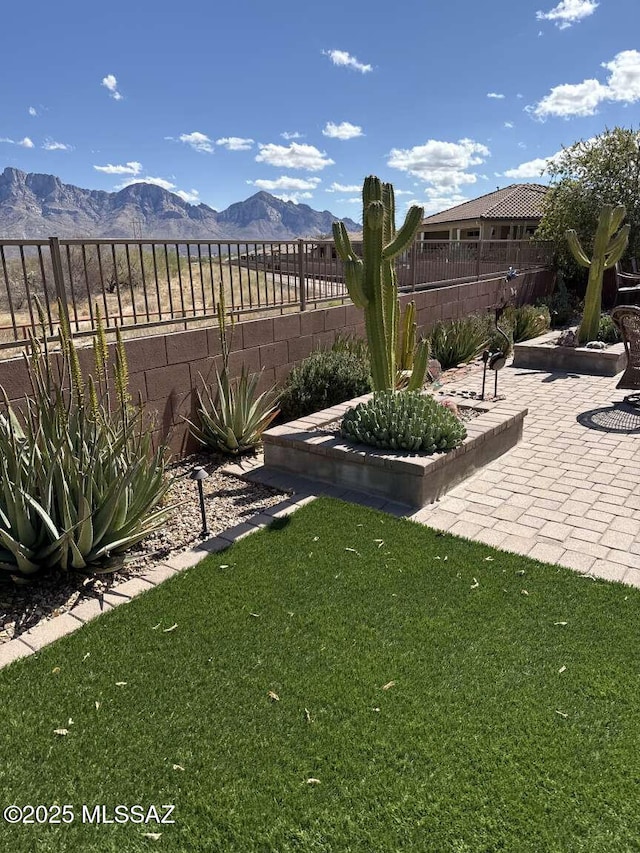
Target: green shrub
(79, 480)
(404, 420)
(459, 341)
(325, 378)
(608, 331)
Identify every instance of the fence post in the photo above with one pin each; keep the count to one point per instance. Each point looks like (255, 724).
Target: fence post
(301, 276)
(479, 250)
(414, 263)
(58, 277)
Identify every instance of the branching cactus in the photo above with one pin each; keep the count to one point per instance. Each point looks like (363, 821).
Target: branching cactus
(608, 248)
(371, 280)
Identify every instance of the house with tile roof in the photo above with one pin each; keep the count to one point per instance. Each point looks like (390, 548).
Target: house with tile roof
(511, 213)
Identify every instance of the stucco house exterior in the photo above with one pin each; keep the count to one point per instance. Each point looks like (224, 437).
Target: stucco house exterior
(511, 213)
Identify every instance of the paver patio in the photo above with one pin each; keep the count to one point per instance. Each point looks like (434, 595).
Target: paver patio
(569, 493)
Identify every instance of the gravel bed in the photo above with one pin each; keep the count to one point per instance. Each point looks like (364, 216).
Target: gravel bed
(228, 501)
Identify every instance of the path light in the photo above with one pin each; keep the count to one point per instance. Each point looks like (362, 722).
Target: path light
(200, 474)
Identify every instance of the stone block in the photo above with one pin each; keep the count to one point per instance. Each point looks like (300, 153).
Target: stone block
(274, 354)
(145, 353)
(312, 322)
(186, 346)
(299, 348)
(255, 333)
(335, 318)
(162, 382)
(286, 328)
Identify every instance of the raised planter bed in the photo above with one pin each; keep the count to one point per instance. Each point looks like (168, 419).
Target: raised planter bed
(543, 354)
(306, 448)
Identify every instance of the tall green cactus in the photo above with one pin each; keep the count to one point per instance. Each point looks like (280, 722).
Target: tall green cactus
(371, 280)
(608, 248)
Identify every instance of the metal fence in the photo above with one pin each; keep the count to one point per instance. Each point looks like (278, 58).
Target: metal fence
(138, 284)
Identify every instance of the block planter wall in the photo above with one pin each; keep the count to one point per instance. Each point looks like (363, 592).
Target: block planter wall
(164, 369)
(306, 448)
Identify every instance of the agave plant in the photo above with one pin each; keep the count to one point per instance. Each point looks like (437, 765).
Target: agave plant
(234, 421)
(79, 480)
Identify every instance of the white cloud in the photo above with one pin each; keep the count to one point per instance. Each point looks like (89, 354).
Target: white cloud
(23, 143)
(568, 99)
(32, 111)
(344, 130)
(52, 145)
(624, 81)
(291, 135)
(191, 197)
(130, 168)
(294, 156)
(294, 197)
(495, 95)
(343, 188)
(437, 201)
(508, 125)
(286, 183)
(530, 169)
(341, 57)
(568, 12)
(443, 164)
(583, 99)
(198, 141)
(158, 182)
(110, 83)
(235, 143)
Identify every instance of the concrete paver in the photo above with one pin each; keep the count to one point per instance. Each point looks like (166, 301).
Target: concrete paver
(578, 487)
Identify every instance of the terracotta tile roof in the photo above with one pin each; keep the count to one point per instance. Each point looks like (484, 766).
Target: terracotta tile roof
(517, 201)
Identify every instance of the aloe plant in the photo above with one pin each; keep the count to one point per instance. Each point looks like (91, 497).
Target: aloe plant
(371, 281)
(608, 248)
(233, 419)
(79, 480)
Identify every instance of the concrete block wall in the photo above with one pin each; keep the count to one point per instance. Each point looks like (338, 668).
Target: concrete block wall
(165, 369)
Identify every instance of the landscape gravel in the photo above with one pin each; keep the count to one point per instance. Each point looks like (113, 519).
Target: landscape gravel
(229, 500)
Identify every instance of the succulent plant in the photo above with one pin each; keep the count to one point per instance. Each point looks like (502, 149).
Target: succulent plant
(233, 418)
(405, 420)
(608, 248)
(79, 480)
(371, 281)
(458, 341)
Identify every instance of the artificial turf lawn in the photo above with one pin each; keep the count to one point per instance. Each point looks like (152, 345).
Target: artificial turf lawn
(466, 753)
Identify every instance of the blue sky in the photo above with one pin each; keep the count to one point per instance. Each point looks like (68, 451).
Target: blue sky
(218, 100)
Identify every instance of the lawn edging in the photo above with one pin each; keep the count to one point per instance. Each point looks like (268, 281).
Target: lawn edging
(49, 630)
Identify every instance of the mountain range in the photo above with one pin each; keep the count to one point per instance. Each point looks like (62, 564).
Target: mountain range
(36, 206)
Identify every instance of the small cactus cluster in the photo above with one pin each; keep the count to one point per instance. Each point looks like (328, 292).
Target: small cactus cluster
(405, 420)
